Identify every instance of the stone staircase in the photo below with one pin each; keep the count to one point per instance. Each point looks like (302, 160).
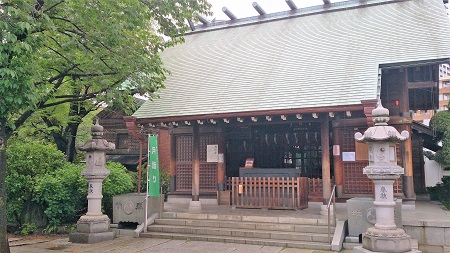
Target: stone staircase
(290, 232)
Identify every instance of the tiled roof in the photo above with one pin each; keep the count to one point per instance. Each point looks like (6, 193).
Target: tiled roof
(312, 59)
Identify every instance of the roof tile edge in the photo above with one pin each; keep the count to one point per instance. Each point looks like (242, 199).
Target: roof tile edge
(313, 10)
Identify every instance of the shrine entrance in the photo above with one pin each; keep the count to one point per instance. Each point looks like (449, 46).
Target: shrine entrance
(284, 150)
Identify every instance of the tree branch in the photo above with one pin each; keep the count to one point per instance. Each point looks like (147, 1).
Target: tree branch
(53, 6)
(68, 21)
(62, 56)
(74, 98)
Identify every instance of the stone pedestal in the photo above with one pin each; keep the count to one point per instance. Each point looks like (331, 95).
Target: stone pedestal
(94, 226)
(92, 229)
(361, 215)
(383, 170)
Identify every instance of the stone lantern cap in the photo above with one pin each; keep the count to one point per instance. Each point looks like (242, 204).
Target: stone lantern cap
(97, 143)
(381, 132)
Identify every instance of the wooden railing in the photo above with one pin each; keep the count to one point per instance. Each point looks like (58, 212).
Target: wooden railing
(271, 192)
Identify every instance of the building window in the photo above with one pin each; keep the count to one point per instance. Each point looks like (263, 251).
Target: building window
(122, 141)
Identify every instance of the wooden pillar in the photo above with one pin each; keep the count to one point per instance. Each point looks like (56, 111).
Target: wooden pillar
(337, 164)
(369, 105)
(325, 146)
(173, 162)
(221, 173)
(195, 163)
(408, 177)
(404, 95)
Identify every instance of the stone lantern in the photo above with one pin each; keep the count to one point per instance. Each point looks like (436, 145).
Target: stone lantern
(383, 170)
(94, 225)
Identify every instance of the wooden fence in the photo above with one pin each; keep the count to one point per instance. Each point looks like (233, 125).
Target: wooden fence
(270, 192)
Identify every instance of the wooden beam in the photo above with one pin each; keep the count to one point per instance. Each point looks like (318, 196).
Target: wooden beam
(408, 177)
(291, 4)
(173, 162)
(195, 164)
(404, 95)
(221, 173)
(325, 147)
(337, 164)
(202, 19)
(228, 13)
(258, 8)
(335, 109)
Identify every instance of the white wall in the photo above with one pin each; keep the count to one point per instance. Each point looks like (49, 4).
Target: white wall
(434, 172)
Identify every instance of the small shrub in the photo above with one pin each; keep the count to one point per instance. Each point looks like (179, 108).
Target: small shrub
(28, 228)
(27, 162)
(119, 181)
(441, 192)
(62, 194)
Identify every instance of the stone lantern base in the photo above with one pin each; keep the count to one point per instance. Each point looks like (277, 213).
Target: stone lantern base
(379, 240)
(92, 229)
(360, 249)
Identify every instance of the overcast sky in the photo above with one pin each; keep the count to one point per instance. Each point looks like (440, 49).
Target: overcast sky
(243, 8)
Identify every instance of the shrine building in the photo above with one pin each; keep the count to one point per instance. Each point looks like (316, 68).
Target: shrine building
(281, 96)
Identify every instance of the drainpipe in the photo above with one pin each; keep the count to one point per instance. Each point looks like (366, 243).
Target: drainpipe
(130, 122)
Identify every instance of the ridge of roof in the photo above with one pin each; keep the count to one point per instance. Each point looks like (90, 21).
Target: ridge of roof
(300, 12)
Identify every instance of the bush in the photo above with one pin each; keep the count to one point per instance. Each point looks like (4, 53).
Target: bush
(62, 194)
(28, 228)
(40, 179)
(164, 180)
(119, 181)
(441, 192)
(27, 162)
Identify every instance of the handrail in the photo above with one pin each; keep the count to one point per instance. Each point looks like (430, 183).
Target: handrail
(332, 197)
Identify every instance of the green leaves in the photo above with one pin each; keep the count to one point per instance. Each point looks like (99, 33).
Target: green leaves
(16, 63)
(27, 162)
(441, 123)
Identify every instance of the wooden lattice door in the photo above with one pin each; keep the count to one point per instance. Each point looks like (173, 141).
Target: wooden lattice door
(355, 182)
(184, 155)
(208, 171)
(184, 162)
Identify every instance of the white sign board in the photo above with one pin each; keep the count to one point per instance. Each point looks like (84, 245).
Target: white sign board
(348, 156)
(212, 153)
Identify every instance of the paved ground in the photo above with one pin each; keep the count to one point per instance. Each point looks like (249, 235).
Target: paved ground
(126, 244)
(427, 211)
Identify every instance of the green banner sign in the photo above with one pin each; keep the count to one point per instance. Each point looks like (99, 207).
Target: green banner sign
(153, 167)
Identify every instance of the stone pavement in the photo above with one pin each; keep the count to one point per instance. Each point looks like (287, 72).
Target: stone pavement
(424, 211)
(126, 244)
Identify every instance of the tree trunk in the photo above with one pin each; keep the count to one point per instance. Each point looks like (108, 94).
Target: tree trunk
(4, 245)
(71, 133)
(79, 112)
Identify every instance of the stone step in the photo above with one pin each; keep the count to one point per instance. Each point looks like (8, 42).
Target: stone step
(350, 245)
(245, 218)
(246, 240)
(246, 225)
(242, 233)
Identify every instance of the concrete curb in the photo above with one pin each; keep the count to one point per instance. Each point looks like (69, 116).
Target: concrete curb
(339, 235)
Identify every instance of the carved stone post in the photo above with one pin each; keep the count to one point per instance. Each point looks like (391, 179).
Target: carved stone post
(94, 225)
(383, 170)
